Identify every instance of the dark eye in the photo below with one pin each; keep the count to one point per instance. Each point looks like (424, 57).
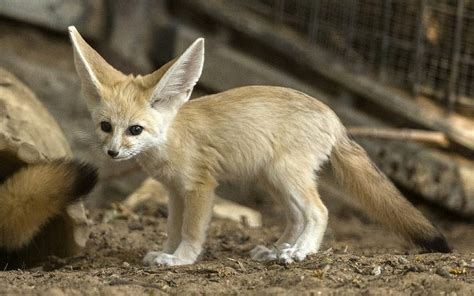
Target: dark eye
(135, 130)
(105, 126)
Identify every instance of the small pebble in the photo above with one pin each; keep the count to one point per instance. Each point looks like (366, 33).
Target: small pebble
(275, 267)
(135, 225)
(421, 268)
(403, 260)
(377, 271)
(165, 287)
(443, 271)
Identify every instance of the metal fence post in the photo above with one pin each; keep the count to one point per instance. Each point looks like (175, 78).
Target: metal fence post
(387, 11)
(456, 54)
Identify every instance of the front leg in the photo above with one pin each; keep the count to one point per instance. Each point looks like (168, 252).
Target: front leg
(197, 213)
(174, 222)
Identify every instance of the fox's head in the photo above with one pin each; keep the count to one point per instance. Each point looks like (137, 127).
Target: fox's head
(133, 113)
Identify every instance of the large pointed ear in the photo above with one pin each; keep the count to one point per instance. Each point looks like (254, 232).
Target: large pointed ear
(94, 72)
(177, 82)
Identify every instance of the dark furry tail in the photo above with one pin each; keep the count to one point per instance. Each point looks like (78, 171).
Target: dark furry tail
(379, 197)
(38, 192)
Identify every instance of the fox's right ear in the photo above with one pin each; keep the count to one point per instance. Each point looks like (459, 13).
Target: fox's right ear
(177, 79)
(95, 73)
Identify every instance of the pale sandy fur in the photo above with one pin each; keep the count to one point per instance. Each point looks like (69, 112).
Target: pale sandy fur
(274, 136)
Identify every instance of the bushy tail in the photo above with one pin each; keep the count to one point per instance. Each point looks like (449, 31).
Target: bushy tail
(379, 197)
(35, 194)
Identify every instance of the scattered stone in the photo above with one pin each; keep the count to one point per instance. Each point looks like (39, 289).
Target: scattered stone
(465, 264)
(377, 271)
(135, 225)
(443, 271)
(275, 267)
(457, 270)
(403, 260)
(321, 272)
(226, 271)
(328, 251)
(111, 215)
(326, 261)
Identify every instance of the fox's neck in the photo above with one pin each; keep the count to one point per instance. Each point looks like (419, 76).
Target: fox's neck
(157, 160)
(158, 150)
(166, 136)
(154, 159)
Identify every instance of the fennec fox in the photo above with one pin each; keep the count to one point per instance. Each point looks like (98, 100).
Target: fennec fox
(35, 194)
(277, 136)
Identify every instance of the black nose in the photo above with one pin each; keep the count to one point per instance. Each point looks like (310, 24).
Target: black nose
(112, 153)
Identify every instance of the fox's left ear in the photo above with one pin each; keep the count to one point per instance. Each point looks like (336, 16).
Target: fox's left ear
(175, 86)
(94, 71)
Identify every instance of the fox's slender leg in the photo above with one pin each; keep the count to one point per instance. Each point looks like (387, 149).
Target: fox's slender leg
(174, 222)
(197, 213)
(293, 228)
(315, 221)
(174, 225)
(296, 184)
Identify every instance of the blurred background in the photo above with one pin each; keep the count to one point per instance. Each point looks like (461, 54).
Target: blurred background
(385, 65)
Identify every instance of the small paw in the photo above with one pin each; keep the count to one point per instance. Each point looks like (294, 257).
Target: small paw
(164, 259)
(286, 254)
(262, 253)
(289, 254)
(150, 257)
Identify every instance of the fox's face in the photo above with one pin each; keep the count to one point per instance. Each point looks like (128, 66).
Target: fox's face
(132, 113)
(125, 123)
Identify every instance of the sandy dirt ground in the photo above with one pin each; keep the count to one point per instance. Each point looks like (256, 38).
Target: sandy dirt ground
(357, 257)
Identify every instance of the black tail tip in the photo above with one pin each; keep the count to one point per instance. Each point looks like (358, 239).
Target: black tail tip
(437, 244)
(85, 177)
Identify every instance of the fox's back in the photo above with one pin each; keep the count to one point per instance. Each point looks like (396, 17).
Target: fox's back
(256, 124)
(283, 101)
(274, 112)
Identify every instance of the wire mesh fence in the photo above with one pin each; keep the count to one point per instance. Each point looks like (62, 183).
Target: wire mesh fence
(423, 46)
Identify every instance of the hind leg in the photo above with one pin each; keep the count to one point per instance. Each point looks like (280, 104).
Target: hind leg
(315, 218)
(296, 184)
(293, 228)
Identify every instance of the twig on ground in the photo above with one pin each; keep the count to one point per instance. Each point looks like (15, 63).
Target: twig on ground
(432, 137)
